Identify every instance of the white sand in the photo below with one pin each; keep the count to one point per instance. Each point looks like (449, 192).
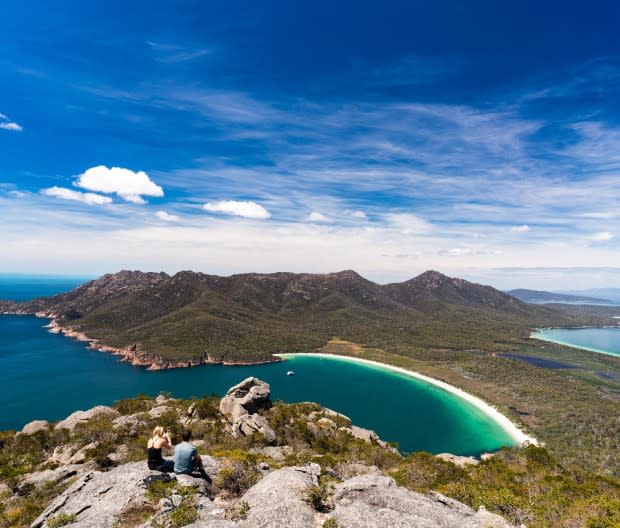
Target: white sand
(515, 433)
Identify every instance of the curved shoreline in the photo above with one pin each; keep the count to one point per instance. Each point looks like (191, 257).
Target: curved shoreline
(511, 428)
(533, 335)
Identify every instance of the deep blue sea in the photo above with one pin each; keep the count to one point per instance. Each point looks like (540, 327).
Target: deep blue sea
(48, 376)
(24, 287)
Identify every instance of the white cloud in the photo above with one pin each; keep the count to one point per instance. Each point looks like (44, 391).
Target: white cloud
(408, 224)
(68, 194)
(167, 217)
(603, 236)
(7, 124)
(358, 214)
(127, 184)
(232, 207)
(520, 228)
(18, 194)
(317, 217)
(601, 215)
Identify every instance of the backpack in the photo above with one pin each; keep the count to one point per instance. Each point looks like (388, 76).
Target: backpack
(164, 477)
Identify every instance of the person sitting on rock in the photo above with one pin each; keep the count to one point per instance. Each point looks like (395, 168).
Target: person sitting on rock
(159, 440)
(186, 458)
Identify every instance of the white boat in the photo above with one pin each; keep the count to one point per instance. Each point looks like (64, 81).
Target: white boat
(290, 373)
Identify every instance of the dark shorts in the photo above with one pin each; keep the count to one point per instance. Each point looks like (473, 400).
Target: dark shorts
(167, 466)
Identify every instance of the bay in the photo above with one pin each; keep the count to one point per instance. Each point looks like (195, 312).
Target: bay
(48, 376)
(602, 340)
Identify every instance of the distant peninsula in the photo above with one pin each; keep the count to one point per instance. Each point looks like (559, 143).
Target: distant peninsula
(161, 321)
(536, 296)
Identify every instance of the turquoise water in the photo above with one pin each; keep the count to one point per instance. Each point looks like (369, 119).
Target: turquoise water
(603, 340)
(48, 376)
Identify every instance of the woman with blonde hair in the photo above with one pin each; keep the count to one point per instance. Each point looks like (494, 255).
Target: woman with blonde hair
(159, 439)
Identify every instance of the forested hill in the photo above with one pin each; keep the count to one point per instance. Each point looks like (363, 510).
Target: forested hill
(534, 296)
(248, 317)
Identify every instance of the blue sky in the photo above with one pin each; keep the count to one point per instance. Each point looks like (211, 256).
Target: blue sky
(481, 139)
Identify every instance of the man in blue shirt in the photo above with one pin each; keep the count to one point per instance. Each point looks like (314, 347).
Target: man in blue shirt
(186, 458)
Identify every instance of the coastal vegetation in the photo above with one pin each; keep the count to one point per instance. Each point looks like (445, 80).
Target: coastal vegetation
(524, 484)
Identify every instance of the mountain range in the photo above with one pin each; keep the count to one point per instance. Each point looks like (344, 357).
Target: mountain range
(191, 318)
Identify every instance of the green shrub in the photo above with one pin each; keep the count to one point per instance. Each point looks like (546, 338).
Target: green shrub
(159, 489)
(140, 403)
(61, 520)
(320, 497)
(186, 512)
(424, 472)
(239, 511)
(330, 523)
(207, 408)
(98, 429)
(237, 477)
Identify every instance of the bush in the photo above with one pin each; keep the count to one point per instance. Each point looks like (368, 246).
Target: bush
(98, 429)
(424, 472)
(159, 489)
(237, 477)
(186, 512)
(61, 520)
(320, 497)
(207, 408)
(239, 511)
(140, 403)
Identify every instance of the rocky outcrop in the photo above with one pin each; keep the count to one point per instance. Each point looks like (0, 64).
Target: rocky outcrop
(35, 426)
(249, 424)
(83, 416)
(246, 397)
(374, 501)
(240, 404)
(460, 461)
(47, 476)
(99, 499)
(278, 499)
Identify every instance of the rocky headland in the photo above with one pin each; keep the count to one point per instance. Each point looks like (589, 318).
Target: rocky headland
(271, 465)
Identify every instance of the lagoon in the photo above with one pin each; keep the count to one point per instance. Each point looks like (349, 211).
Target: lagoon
(601, 340)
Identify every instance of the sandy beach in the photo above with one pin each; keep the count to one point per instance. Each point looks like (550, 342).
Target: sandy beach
(515, 433)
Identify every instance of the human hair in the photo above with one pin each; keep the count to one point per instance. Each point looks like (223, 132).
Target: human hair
(186, 435)
(158, 432)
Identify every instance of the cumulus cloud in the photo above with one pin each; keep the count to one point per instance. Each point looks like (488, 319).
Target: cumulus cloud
(127, 184)
(232, 207)
(7, 124)
(521, 228)
(358, 214)
(317, 217)
(167, 217)
(68, 194)
(603, 236)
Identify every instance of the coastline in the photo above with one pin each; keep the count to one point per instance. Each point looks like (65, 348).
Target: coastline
(132, 354)
(534, 335)
(511, 428)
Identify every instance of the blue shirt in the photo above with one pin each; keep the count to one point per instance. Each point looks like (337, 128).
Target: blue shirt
(184, 458)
